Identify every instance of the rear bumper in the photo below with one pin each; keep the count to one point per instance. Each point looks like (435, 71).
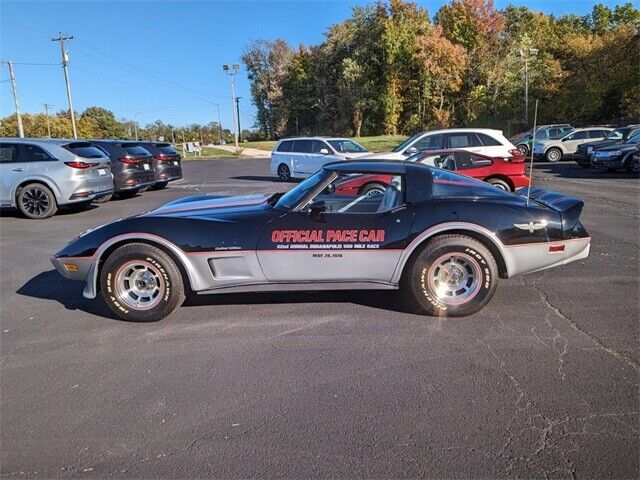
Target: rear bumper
(520, 181)
(82, 196)
(533, 257)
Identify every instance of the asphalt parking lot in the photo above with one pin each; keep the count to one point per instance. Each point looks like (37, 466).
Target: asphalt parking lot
(542, 383)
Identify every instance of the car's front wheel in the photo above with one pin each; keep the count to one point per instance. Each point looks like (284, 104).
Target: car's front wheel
(553, 155)
(633, 164)
(141, 283)
(452, 276)
(284, 174)
(36, 201)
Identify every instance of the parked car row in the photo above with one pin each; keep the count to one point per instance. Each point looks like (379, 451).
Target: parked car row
(476, 152)
(619, 150)
(38, 176)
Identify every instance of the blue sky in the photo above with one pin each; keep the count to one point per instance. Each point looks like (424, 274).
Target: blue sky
(152, 59)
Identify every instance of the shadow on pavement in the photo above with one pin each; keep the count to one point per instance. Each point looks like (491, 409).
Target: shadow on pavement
(571, 169)
(63, 210)
(51, 285)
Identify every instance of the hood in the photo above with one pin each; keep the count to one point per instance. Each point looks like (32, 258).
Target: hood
(206, 205)
(383, 156)
(350, 156)
(626, 147)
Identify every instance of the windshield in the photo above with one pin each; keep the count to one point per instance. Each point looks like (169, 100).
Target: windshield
(634, 139)
(297, 193)
(617, 134)
(407, 142)
(347, 146)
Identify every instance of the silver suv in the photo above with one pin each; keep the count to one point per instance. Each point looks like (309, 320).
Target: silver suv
(39, 175)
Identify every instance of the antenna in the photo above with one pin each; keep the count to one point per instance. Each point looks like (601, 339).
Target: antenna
(533, 141)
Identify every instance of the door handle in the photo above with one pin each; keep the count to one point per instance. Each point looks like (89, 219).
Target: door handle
(18, 170)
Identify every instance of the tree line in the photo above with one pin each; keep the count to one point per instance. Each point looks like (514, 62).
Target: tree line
(392, 69)
(100, 123)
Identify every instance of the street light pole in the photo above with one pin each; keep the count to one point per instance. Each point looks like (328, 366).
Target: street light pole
(46, 112)
(526, 57)
(238, 116)
(219, 122)
(135, 125)
(231, 71)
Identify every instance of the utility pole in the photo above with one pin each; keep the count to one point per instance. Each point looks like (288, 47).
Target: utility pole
(219, 122)
(135, 124)
(65, 61)
(15, 97)
(231, 71)
(526, 57)
(46, 112)
(238, 116)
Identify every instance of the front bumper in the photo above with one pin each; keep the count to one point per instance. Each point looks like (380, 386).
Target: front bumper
(606, 163)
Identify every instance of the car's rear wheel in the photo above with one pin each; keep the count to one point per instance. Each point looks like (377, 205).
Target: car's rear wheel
(373, 189)
(553, 155)
(36, 201)
(284, 174)
(141, 283)
(500, 184)
(452, 276)
(523, 149)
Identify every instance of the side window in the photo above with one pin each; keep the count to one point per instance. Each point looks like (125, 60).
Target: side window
(553, 133)
(451, 184)
(430, 142)
(319, 145)
(599, 133)
(458, 140)
(285, 146)
(302, 146)
(32, 153)
(463, 160)
(8, 153)
(347, 195)
(488, 141)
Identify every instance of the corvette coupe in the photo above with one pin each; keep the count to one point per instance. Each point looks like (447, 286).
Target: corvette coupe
(442, 239)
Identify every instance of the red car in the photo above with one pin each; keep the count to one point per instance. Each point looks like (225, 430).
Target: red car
(506, 174)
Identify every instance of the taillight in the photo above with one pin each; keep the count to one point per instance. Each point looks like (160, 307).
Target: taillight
(130, 160)
(163, 158)
(80, 165)
(514, 152)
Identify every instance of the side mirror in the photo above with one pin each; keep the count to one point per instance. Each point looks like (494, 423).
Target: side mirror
(317, 209)
(411, 151)
(324, 151)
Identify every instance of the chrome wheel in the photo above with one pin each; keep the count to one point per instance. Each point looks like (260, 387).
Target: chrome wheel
(35, 201)
(523, 149)
(554, 154)
(455, 278)
(139, 285)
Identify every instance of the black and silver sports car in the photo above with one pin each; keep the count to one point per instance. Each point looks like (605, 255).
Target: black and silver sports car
(441, 238)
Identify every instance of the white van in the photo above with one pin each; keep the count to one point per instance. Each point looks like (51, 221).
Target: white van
(303, 156)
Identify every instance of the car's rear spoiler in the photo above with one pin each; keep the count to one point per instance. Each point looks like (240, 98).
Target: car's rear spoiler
(568, 207)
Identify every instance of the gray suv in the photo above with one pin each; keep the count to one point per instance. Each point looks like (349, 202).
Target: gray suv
(39, 175)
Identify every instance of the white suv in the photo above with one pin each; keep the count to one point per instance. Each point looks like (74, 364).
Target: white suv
(304, 156)
(485, 141)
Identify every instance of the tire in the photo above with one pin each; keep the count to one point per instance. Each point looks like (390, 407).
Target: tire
(500, 184)
(373, 189)
(36, 201)
(284, 173)
(633, 164)
(136, 272)
(553, 155)
(104, 199)
(523, 149)
(159, 186)
(473, 266)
